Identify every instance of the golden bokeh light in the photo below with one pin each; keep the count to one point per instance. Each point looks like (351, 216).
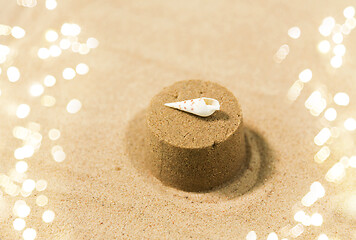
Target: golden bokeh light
(92, 42)
(43, 53)
(21, 166)
(41, 200)
(74, 106)
(19, 224)
(29, 234)
(18, 32)
(41, 185)
(294, 32)
(13, 74)
(349, 12)
(49, 81)
(350, 124)
(82, 69)
(23, 110)
(48, 216)
(54, 134)
(330, 114)
(68, 73)
(48, 101)
(51, 36)
(342, 99)
(322, 154)
(336, 61)
(36, 90)
(305, 75)
(322, 137)
(51, 4)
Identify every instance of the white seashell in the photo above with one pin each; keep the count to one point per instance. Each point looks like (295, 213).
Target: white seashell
(203, 106)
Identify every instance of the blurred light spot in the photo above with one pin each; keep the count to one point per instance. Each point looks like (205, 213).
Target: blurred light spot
(13, 74)
(272, 236)
(307, 220)
(322, 154)
(21, 166)
(56, 148)
(70, 29)
(326, 27)
(51, 35)
(305, 75)
(339, 50)
(83, 49)
(28, 185)
(48, 101)
(20, 132)
(322, 137)
(29, 234)
(309, 199)
(27, 3)
(41, 200)
(51, 4)
(59, 156)
(19, 224)
(350, 23)
(36, 90)
(74, 106)
(299, 216)
(315, 103)
(18, 32)
(24, 152)
(344, 161)
(64, 44)
(345, 29)
(323, 237)
(48, 216)
(76, 47)
(336, 29)
(49, 81)
(43, 53)
(54, 134)
(92, 42)
(341, 99)
(296, 230)
(21, 209)
(251, 235)
(5, 30)
(68, 73)
(41, 185)
(352, 161)
(55, 51)
(350, 124)
(330, 114)
(349, 12)
(82, 69)
(316, 219)
(294, 32)
(23, 110)
(336, 61)
(281, 54)
(337, 38)
(324, 46)
(295, 90)
(335, 173)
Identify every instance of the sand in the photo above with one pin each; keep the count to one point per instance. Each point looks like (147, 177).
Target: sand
(189, 152)
(97, 192)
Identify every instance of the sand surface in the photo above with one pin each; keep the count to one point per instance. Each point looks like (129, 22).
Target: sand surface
(97, 193)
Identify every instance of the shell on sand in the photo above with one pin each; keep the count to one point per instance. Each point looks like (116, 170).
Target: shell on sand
(202, 107)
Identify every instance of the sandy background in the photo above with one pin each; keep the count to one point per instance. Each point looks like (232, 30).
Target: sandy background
(96, 193)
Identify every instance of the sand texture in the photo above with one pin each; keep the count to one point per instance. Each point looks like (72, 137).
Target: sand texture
(99, 192)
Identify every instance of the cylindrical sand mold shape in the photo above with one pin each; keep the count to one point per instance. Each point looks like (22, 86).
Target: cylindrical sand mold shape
(189, 152)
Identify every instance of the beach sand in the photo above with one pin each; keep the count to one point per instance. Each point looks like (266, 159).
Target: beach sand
(98, 193)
